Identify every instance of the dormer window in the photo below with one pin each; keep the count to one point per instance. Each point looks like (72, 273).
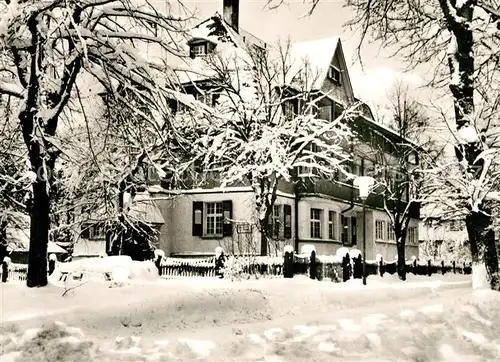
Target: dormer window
(200, 47)
(334, 74)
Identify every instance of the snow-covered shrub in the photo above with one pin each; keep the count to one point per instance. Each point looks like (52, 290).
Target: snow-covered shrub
(55, 342)
(120, 277)
(233, 269)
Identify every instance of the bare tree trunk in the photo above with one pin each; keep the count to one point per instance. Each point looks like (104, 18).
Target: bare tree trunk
(263, 237)
(3, 240)
(483, 251)
(400, 247)
(40, 220)
(461, 64)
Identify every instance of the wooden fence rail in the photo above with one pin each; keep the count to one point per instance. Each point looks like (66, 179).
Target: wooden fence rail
(322, 267)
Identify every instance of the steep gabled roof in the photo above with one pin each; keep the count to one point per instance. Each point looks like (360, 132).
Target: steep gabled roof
(317, 55)
(216, 30)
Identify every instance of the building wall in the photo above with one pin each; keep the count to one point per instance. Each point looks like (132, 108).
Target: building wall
(443, 231)
(387, 248)
(337, 91)
(176, 234)
(89, 247)
(324, 246)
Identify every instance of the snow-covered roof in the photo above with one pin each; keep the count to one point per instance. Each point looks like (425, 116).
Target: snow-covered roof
(317, 55)
(236, 45)
(19, 240)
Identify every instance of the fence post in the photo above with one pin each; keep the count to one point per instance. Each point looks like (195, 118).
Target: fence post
(52, 263)
(5, 269)
(346, 266)
(429, 268)
(381, 267)
(219, 262)
(358, 267)
(313, 265)
(288, 262)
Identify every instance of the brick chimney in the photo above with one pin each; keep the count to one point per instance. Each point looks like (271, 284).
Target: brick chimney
(231, 13)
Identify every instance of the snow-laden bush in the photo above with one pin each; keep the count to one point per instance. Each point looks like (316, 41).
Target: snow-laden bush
(104, 269)
(233, 269)
(55, 342)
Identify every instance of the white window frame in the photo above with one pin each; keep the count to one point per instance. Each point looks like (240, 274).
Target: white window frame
(216, 216)
(277, 217)
(390, 234)
(315, 223)
(334, 70)
(380, 230)
(195, 50)
(332, 225)
(412, 235)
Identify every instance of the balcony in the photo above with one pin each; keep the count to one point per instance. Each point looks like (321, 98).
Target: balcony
(347, 193)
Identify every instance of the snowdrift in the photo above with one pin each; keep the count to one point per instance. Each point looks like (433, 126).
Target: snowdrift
(111, 268)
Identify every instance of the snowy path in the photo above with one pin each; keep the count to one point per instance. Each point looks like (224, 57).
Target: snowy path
(260, 320)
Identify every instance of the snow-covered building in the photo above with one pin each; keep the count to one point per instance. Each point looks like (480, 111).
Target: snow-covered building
(442, 235)
(311, 210)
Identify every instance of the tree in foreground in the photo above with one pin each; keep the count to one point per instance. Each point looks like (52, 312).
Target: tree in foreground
(14, 182)
(459, 40)
(400, 177)
(44, 47)
(269, 127)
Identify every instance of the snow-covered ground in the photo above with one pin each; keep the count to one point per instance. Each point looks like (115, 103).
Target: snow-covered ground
(425, 319)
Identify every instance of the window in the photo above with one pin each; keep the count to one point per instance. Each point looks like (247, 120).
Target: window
(332, 225)
(325, 112)
(412, 236)
(391, 236)
(356, 166)
(289, 110)
(198, 50)
(315, 223)
(212, 219)
(334, 74)
(337, 111)
(277, 222)
(93, 231)
(379, 230)
(280, 222)
(208, 97)
(344, 233)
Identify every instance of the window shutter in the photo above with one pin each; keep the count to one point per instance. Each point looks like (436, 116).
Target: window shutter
(287, 222)
(197, 218)
(270, 224)
(85, 234)
(227, 212)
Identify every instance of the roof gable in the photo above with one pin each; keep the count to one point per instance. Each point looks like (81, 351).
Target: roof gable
(311, 60)
(229, 44)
